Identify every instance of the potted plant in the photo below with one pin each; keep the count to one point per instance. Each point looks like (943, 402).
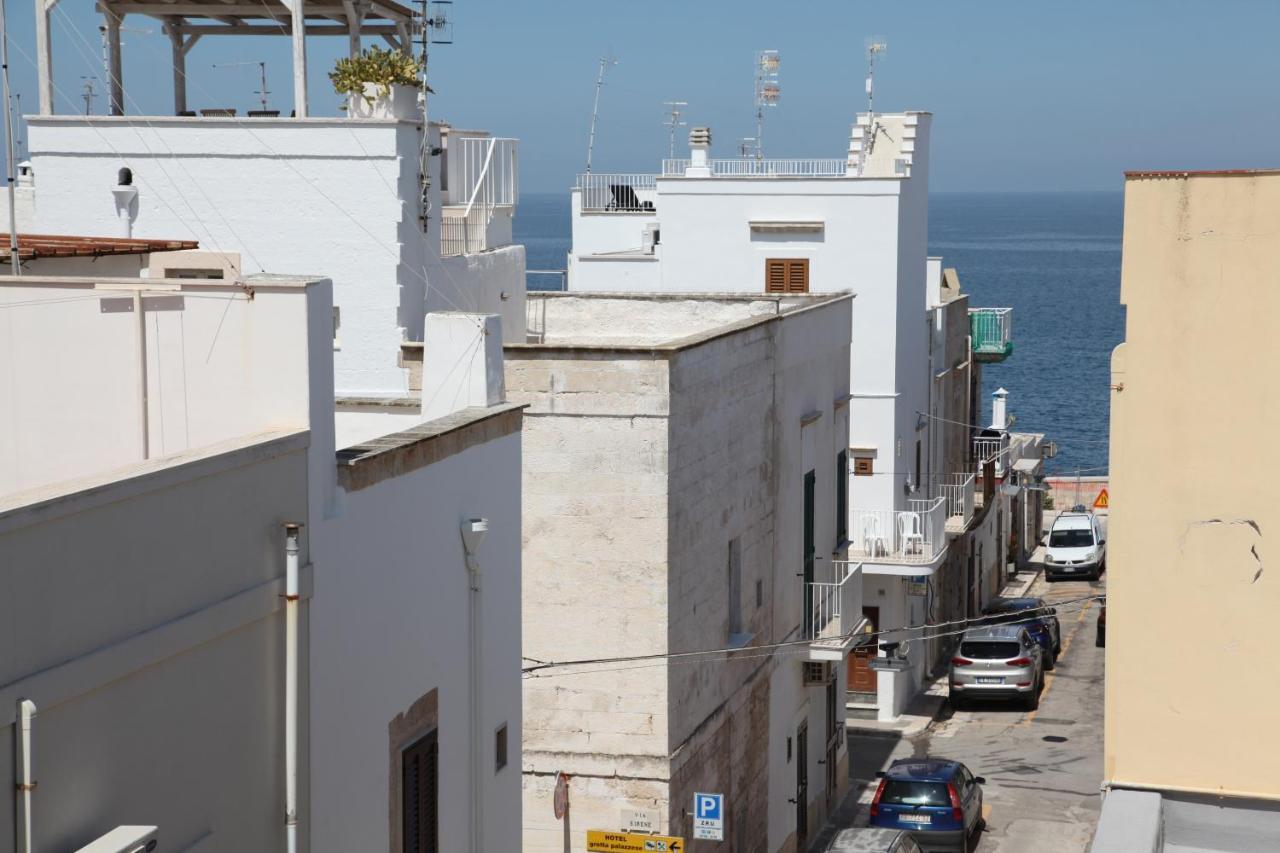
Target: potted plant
(379, 83)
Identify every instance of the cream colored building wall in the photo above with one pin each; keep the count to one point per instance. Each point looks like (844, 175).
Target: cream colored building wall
(1190, 695)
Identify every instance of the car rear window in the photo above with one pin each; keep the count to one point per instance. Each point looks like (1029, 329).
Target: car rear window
(906, 792)
(988, 650)
(1071, 539)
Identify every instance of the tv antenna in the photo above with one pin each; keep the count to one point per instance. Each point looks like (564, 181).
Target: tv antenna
(671, 122)
(747, 147)
(88, 94)
(106, 55)
(876, 46)
(263, 91)
(605, 62)
(767, 91)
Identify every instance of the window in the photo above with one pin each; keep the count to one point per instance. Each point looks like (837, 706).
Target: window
(786, 275)
(420, 775)
(735, 588)
(862, 466)
(186, 272)
(918, 480)
(909, 792)
(500, 748)
(842, 496)
(759, 593)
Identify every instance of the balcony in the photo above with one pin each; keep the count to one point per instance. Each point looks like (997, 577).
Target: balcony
(991, 331)
(915, 536)
(483, 182)
(990, 448)
(835, 612)
(957, 491)
(618, 193)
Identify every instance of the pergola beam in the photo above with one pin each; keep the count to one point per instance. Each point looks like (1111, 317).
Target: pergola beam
(115, 69)
(44, 56)
(275, 30)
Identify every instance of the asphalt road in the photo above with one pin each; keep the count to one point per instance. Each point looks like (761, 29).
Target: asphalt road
(1042, 767)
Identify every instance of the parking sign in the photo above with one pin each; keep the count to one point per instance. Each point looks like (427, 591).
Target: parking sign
(708, 816)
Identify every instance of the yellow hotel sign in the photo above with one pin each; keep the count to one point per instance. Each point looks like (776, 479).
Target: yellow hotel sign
(603, 841)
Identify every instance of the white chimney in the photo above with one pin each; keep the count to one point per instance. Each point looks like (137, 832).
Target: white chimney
(699, 144)
(999, 416)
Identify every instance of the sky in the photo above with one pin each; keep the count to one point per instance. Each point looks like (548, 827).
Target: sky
(1026, 94)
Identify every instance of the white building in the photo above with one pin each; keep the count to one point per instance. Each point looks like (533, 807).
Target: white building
(160, 435)
(682, 491)
(858, 223)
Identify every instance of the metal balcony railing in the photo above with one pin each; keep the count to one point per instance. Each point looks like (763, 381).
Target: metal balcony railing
(914, 535)
(957, 491)
(484, 178)
(618, 193)
(747, 167)
(991, 331)
(834, 609)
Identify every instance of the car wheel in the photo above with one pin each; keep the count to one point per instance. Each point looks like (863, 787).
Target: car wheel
(1033, 698)
(1050, 660)
(1102, 640)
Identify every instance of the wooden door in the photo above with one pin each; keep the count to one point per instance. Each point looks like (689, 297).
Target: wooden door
(802, 786)
(862, 678)
(810, 550)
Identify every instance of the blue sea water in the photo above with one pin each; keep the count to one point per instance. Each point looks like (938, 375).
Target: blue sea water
(1052, 257)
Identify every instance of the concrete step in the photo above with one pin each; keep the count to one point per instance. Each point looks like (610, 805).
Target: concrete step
(864, 698)
(861, 711)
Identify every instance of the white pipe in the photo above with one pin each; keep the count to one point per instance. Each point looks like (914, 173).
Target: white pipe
(144, 405)
(291, 687)
(473, 531)
(23, 771)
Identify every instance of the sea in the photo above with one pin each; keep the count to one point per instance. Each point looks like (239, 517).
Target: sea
(1054, 258)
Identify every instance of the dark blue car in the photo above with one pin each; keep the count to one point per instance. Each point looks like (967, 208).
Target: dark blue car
(937, 800)
(1041, 622)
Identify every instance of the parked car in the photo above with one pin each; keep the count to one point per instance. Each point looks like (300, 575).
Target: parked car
(1102, 625)
(1036, 616)
(935, 799)
(870, 839)
(1077, 547)
(997, 662)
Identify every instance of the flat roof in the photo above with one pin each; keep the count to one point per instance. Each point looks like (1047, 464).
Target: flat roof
(33, 247)
(1200, 173)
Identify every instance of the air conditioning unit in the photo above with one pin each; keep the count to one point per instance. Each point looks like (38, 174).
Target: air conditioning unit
(652, 236)
(125, 839)
(817, 672)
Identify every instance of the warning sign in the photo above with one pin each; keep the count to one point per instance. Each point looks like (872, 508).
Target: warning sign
(631, 842)
(1103, 501)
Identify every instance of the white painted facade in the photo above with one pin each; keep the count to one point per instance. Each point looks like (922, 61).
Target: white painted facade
(666, 445)
(146, 575)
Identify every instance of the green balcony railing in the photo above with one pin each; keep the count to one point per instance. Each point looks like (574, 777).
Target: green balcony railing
(991, 330)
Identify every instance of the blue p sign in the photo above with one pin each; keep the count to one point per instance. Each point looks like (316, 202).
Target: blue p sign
(708, 806)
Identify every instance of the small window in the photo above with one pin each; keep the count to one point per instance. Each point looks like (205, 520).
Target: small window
(786, 275)
(500, 748)
(842, 496)
(918, 465)
(759, 593)
(419, 793)
(862, 466)
(735, 587)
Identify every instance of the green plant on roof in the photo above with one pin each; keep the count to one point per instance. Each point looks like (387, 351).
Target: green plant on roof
(383, 68)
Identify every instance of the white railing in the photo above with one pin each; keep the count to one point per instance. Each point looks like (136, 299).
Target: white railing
(957, 491)
(618, 193)
(483, 167)
(986, 448)
(836, 607)
(746, 167)
(991, 329)
(463, 233)
(914, 535)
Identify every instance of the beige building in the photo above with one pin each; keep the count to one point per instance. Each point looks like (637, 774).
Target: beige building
(1191, 697)
(684, 461)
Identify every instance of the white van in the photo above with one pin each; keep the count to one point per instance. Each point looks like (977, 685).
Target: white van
(1077, 547)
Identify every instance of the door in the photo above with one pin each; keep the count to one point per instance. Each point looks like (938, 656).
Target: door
(809, 546)
(862, 678)
(833, 743)
(802, 785)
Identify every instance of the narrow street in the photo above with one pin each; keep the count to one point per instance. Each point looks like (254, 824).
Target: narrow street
(1042, 767)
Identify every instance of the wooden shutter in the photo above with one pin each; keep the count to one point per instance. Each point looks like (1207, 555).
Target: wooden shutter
(786, 275)
(420, 777)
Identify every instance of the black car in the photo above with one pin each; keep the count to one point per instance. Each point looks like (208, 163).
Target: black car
(1042, 623)
(1102, 626)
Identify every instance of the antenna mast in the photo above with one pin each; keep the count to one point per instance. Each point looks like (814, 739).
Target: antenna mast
(436, 29)
(671, 122)
(605, 62)
(15, 263)
(767, 92)
(88, 94)
(876, 46)
(263, 91)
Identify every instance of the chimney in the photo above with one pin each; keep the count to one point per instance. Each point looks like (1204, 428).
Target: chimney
(699, 143)
(999, 416)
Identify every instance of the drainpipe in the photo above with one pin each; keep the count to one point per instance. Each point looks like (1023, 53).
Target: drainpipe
(24, 784)
(473, 531)
(291, 531)
(144, 404)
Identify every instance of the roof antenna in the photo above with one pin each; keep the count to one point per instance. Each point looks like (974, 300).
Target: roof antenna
(15, 260)
(768, 91)
(671, 122)
(263, 91)
(605, 62)
(876, 46)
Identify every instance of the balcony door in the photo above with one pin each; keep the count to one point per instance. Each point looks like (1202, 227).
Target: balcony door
(810, 482)
(862, 678)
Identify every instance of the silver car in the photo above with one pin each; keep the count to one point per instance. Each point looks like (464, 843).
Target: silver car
(997, 662)
(873, 840)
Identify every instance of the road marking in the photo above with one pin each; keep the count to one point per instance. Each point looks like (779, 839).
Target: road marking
(986, 811)
(1066, 644)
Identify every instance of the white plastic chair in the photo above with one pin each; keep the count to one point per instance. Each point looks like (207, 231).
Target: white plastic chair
(873, 537)
(911, 532)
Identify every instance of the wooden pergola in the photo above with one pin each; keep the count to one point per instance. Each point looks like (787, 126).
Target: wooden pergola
(187, 21)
